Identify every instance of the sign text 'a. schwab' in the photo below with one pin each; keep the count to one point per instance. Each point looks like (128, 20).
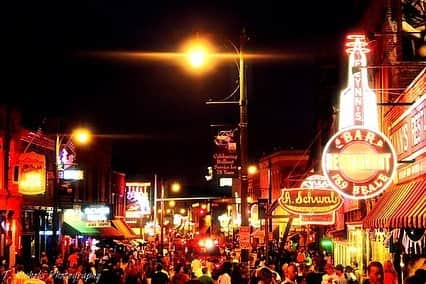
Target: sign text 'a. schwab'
(310, 201)
(358, 162)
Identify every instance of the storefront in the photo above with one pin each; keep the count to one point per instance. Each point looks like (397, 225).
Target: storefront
(402, 206)
(396, 224)
(81, 227)
(78, 228)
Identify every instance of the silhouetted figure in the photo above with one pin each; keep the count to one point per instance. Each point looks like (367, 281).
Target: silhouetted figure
(159, 277)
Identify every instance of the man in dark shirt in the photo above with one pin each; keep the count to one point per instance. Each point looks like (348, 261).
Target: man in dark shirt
(159, 277)
(205, 278)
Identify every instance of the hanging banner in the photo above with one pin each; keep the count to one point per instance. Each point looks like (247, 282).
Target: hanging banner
(32, 173)
(225, 153)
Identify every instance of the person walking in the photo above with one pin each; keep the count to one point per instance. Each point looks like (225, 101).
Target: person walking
(205, 278)
(390, 276)
(290, 274)
(374, 273)
(265, 276)
(225, 276)
(329, 275)
(350, 275)
(19, 277)
(180, 277)
(159, 277)
(340, 275)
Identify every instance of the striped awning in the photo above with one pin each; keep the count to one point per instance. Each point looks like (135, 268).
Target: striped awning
(412, 212)
(401, 206)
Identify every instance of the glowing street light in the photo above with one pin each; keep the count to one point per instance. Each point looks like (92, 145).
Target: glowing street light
(198, 53)
(81, 136)
(252, 170)
(175, 187)
(195, 56)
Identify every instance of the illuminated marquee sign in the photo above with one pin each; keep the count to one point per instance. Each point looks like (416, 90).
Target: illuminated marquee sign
(73, 174)
(309, 201)
(408, 131)
(359, 163)
(358, 103)
(97, 213)
(408, 136)
(32, 173)
(137, 201)
(315, 196)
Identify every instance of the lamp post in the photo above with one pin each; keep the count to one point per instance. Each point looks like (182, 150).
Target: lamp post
(162, 221)
(196, 59)
(243, 144)
(82, 136)
(175, 187)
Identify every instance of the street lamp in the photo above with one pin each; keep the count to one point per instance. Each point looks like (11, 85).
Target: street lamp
(194, 57)
(81, 136)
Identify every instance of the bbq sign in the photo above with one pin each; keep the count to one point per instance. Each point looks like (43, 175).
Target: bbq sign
(359, 162)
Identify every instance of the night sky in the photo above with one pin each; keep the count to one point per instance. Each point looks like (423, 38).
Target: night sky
(154, 112)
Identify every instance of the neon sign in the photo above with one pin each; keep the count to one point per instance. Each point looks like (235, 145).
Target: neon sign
(310, 201)
(315, 196)
(358, 105)
(358, 161)
(137, 200)
(97, 213)
(32, 173)
(408, 131)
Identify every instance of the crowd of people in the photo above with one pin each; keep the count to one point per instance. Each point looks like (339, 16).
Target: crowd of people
(133, 266)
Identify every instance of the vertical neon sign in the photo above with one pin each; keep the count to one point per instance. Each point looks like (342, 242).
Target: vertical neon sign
(358, 161)
(358, 105)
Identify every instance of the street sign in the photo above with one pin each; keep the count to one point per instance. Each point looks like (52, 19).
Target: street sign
(245, 237)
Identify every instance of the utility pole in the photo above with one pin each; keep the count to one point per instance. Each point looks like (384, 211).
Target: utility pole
(162, 220)
(268, 213)
(243, 143)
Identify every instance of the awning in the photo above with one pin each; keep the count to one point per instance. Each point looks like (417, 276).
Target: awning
(79, 227)
(109, 232)
(401, 206)
(124, 229)
(412, 212)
